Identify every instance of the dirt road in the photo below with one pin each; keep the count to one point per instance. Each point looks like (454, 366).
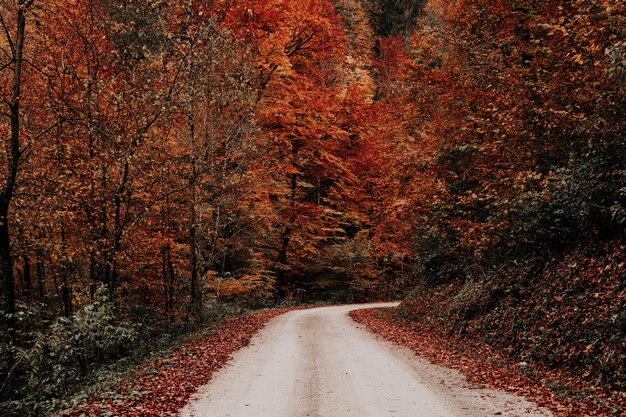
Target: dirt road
(319, 363)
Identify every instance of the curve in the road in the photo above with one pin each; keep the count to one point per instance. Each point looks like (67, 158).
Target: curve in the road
(319, 363)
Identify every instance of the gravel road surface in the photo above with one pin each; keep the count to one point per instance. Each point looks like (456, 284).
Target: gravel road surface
(319, 363)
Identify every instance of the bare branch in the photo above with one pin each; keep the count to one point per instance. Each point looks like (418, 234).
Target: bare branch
(8, 35)
(40, 134)
(3, 67)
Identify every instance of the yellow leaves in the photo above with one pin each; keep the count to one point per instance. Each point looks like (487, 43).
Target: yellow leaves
(578, 58)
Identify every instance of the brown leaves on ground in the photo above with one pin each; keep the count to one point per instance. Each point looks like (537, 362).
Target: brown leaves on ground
(165, 385)
(485, 366)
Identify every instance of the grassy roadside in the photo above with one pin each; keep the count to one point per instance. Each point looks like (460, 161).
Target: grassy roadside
(161, 385)
(57, 382)
(103, 381)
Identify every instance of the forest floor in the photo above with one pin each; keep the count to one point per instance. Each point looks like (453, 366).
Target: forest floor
(486, 367)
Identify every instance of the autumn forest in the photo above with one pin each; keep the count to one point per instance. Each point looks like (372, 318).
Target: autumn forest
(168, 163)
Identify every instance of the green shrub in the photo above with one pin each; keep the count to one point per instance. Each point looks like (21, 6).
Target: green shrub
(586, 196)
(63, 355)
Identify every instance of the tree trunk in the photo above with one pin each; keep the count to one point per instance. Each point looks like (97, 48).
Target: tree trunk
(13, 160)
(41, 278)
(172, 274)
(167, 266)
(285, 237)
(66, 295)
(168, 275)
(66, 292)
(195, 296)
(7, 269)
(166, 303)
(122, 196)
(28, 281)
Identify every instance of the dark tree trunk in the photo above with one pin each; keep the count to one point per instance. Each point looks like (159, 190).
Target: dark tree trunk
(7, 269)
(285, 237)
(66, 292)
(195, 296)
(118, 229)
(41, 278)
(172, 275)
(168, 281)
(28, 282)
(13, 160)
(66, 295)
(93, 268)
(166, 304)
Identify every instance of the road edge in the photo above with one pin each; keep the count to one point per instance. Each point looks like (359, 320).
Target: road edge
(487, 369)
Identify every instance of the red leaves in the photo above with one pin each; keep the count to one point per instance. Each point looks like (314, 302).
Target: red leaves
(164, 386)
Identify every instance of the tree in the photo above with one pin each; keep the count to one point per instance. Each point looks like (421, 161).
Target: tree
(12, 70)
